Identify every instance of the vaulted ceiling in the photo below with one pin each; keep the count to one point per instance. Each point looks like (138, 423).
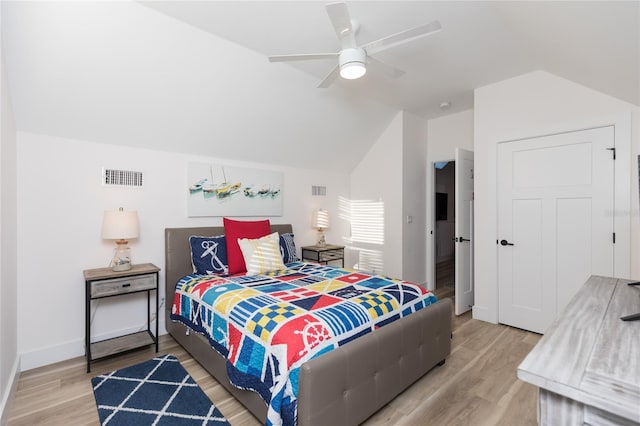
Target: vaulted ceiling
(193, 76)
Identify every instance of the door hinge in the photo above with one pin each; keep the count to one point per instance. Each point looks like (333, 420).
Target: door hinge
(614, 152)
(614, 238)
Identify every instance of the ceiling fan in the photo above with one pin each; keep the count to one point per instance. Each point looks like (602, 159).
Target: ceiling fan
(353, 59)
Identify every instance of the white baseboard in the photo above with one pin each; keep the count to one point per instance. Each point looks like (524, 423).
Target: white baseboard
(72, 349)
(9, 394)
(52, 354)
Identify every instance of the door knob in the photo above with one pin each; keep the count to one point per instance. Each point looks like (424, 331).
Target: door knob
(462, 239)
(505, 243)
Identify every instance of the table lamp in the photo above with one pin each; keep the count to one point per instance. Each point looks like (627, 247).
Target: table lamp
(320, 221)
(120, 225)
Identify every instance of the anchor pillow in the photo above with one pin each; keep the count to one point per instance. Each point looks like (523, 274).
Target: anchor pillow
(209, 255)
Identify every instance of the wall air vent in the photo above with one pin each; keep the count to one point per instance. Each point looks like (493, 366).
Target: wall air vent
(318, 190)
(128, 178)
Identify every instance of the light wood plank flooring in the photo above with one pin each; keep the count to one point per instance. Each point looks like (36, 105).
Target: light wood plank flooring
(445, 274)
(445, 279)
(476, 386)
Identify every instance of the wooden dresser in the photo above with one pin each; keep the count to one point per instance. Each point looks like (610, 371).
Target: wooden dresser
(587, 365)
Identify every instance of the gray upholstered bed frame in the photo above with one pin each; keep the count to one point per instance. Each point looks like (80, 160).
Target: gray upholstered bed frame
(344, 386)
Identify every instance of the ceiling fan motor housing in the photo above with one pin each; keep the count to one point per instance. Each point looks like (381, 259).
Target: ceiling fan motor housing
(352, 63)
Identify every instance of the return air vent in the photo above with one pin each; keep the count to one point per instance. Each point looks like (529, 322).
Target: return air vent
(318, 190)
(113, 177)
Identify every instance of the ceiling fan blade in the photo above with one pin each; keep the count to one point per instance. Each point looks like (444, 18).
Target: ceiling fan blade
(339, 16)
(402, 37)
(341, 21)
(384, 68)
(302, 57)
(330, 78)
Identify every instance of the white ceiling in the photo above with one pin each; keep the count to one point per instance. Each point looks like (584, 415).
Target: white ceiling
(596, 44)
(193, 76)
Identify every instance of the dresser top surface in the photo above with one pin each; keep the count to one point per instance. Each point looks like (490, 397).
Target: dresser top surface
(589, 354)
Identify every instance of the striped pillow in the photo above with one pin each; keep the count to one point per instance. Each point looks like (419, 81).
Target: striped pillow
(288, 248)
(262, 254)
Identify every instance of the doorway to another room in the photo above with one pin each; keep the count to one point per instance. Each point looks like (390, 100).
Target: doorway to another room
(451, 261)
(444, 230)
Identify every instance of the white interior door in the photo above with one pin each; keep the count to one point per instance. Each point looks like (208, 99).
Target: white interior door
(464, 231)
(555, 222)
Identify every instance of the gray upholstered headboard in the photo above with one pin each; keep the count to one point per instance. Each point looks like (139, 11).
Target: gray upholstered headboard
(177, 253)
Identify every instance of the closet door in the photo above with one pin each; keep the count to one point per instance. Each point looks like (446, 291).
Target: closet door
(555, 222)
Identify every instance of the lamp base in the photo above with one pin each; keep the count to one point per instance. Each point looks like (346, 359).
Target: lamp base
(121, 256)
(321, 242)
(121, 267)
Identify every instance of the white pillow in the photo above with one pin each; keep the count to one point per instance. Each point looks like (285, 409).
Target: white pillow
(262, 255)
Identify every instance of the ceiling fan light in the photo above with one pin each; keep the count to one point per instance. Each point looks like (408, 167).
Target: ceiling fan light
(352, 70)
(352, 63)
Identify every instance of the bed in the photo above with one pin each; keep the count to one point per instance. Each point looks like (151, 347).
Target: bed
(345, 385)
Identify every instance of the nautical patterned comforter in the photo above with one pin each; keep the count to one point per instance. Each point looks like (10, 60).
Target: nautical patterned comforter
(267, 326)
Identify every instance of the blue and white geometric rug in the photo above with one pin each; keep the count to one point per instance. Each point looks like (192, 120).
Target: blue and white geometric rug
(155, 392)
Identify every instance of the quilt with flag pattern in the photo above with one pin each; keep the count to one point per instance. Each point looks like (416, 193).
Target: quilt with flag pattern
(267, 326)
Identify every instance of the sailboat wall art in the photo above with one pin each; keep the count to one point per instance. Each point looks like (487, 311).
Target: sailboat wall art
(217, 190)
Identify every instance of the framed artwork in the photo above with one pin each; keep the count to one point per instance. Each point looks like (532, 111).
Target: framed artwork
(217, 190)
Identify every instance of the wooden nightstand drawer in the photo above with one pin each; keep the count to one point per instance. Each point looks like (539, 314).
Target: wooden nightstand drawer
(122, 285)
(323, 254)
(328, 255)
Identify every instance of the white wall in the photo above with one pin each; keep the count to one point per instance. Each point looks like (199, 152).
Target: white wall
(444, 134)
(378, 177)
(414, 155)
(393, 171)
(535, 104)
(9, 360)
(61, 204)
(447, 133)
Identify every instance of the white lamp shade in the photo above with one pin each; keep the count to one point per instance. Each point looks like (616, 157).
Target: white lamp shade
(120, 225)
(320, 219)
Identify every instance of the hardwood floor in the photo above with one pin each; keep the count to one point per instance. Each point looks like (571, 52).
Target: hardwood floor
(445, 274)
(476, 386)
(445, 279)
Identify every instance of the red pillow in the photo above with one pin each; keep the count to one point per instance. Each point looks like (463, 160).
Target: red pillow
(234, 229)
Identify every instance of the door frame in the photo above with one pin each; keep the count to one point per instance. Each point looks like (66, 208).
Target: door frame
(622, 198)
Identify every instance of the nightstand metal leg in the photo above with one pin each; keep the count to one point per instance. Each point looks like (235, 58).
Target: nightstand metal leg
(87, 325)
(157, 317)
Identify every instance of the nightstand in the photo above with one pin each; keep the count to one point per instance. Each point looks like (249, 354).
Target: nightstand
(323, 254)
(103, 282)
